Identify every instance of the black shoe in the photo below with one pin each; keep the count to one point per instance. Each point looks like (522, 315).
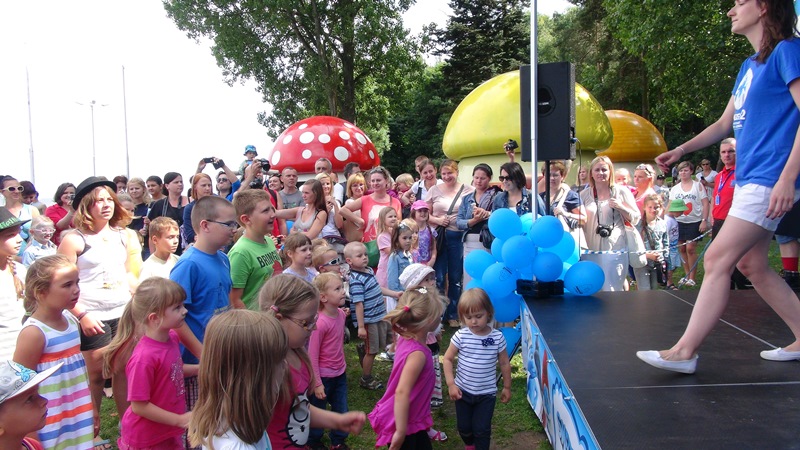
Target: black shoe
(370, 383)
(792, 278)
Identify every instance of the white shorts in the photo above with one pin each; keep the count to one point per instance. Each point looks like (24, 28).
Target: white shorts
(750, 203)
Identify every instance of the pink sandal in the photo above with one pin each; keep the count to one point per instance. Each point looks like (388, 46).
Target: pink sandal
(439, 436)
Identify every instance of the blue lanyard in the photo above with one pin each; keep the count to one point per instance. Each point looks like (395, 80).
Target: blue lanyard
(723, 180)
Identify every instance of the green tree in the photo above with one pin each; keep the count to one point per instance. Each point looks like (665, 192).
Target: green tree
(345, 58)
(483, 38)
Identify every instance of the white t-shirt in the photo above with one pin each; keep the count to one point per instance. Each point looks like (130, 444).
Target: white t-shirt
(476, 371)
(693, 199)
(710, 178)
(11, 311)
(229, 441)
(421, 183)
(156, 267)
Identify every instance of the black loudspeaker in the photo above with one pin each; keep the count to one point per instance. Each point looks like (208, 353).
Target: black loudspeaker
(556, 111)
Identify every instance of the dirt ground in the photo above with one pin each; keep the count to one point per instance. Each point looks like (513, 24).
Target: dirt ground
(526, 440)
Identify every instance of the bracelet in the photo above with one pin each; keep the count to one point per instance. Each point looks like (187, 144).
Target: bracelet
(683, 151)
(82, 315)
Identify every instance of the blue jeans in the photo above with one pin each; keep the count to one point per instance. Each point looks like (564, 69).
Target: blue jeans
(336, 395)
(474, 419)
(450, 262)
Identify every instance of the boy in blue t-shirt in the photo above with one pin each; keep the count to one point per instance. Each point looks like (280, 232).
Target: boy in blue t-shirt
(204, 272)
(369, 309)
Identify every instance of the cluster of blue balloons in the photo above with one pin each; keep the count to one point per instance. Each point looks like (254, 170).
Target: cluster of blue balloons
(525, 248)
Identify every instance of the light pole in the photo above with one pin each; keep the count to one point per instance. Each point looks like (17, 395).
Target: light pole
(94, 149)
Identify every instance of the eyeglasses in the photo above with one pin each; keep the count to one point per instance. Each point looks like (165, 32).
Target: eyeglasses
(334, 262)
(222, 180)
(14, 189)
(502, 178)
(232, 225)
(304, 324)
(45, 230)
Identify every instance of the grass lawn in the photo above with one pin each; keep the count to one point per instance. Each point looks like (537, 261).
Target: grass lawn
(514, 425)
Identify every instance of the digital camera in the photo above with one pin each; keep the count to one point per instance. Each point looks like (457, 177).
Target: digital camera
(265, 166)
(604, 231)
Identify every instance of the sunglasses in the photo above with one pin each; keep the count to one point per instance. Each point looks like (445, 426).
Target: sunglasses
(705, 164)
(502, 178)
(14, 189)
(334, 262)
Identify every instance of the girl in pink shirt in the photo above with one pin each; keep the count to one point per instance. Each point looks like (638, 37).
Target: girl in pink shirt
(402, 417)
(326, 350)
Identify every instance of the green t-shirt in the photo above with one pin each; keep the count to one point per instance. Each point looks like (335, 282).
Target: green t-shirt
(252, 263)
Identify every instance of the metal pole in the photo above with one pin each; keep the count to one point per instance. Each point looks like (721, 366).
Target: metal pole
(534, 104)
(30, 126)
(125, 114)
(94, 150)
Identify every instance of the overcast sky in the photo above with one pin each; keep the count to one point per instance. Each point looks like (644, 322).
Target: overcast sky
(178, 108)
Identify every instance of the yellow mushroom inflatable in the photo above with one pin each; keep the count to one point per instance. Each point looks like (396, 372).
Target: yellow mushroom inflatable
(490, 115)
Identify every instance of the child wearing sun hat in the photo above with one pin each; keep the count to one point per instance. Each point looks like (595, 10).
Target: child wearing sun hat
(22, 410)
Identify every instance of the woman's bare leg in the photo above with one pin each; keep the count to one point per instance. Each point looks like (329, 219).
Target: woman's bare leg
(691, 259)
(737, 241)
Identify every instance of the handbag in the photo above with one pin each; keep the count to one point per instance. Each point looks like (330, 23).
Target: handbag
(440, 230)
(636, 251)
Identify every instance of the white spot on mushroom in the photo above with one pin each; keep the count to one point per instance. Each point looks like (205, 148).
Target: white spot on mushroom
(287, 139)
(306, 137)
(303, 126)
(344, 135)
(306, 154)
(349, 125)
(341, 153)
(361, 139)
(371, 154)
(368, 138)
(276, 157)
(324, 138)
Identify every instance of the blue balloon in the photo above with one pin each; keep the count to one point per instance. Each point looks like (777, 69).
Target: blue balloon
(506, 309)
(512, 337)
(518, 252)
(497, 249)
(476, 263)
(499, 280)
(564, 268)
(584, 278)
(564, 248)
(546, 231)
(527, 221)
(547, 266)
(575, 256)
(474, 283)
(504, 223)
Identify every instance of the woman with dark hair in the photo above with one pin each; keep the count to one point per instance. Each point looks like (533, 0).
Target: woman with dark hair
(172, 204)
(565, 204)
(12, 191)
(62, 212)
(444, 201)
(475, 210)
(767, 183)
(693, 222)
(311, 218)
(515, 195)
(108, 257)
(122, 183)
(154, 187)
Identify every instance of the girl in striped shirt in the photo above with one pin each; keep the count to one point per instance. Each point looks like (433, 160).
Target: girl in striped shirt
(50, 337)
(479, 348)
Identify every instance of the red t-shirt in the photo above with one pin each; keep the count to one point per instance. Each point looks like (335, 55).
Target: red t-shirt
(722, 195)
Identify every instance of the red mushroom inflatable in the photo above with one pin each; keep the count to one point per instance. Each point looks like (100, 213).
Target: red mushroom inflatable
(303, 143)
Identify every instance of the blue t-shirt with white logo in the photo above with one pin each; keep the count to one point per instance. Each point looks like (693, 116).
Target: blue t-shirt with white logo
(766, 119)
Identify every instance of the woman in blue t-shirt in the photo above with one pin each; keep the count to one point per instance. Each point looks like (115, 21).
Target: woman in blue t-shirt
(764, 114)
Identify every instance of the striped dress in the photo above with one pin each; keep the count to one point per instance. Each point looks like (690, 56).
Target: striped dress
(70, 422)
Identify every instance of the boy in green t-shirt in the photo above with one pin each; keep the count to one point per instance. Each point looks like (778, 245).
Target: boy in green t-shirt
(254, 258)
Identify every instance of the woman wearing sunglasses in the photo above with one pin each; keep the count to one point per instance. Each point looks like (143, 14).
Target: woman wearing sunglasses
(644, 177)
(12, 192)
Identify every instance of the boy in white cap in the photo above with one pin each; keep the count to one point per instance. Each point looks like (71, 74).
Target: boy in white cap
(22, 410)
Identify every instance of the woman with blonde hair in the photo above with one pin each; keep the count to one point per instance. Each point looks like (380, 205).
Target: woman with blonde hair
(354, 191)
(608, 209)
(201, 187)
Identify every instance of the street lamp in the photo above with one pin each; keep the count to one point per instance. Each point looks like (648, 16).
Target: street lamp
(91, 106)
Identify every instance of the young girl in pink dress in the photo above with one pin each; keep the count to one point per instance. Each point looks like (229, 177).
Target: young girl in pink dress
(402, 417)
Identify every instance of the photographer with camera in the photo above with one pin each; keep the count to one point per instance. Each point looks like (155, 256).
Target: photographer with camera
(608, 208)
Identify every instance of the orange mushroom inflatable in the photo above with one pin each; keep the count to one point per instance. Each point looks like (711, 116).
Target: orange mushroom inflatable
(635, 138)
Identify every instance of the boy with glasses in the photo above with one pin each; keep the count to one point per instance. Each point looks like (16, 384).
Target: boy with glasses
(42, 229)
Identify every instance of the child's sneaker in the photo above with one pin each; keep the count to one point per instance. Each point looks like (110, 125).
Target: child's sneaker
(385, 356)
(436, 403)
(436, 436)
(340, 447)
(370, 383)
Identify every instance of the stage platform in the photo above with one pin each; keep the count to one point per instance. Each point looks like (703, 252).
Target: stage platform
(591, 391)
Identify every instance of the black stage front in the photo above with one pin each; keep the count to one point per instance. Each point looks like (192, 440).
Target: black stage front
(734, 400)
